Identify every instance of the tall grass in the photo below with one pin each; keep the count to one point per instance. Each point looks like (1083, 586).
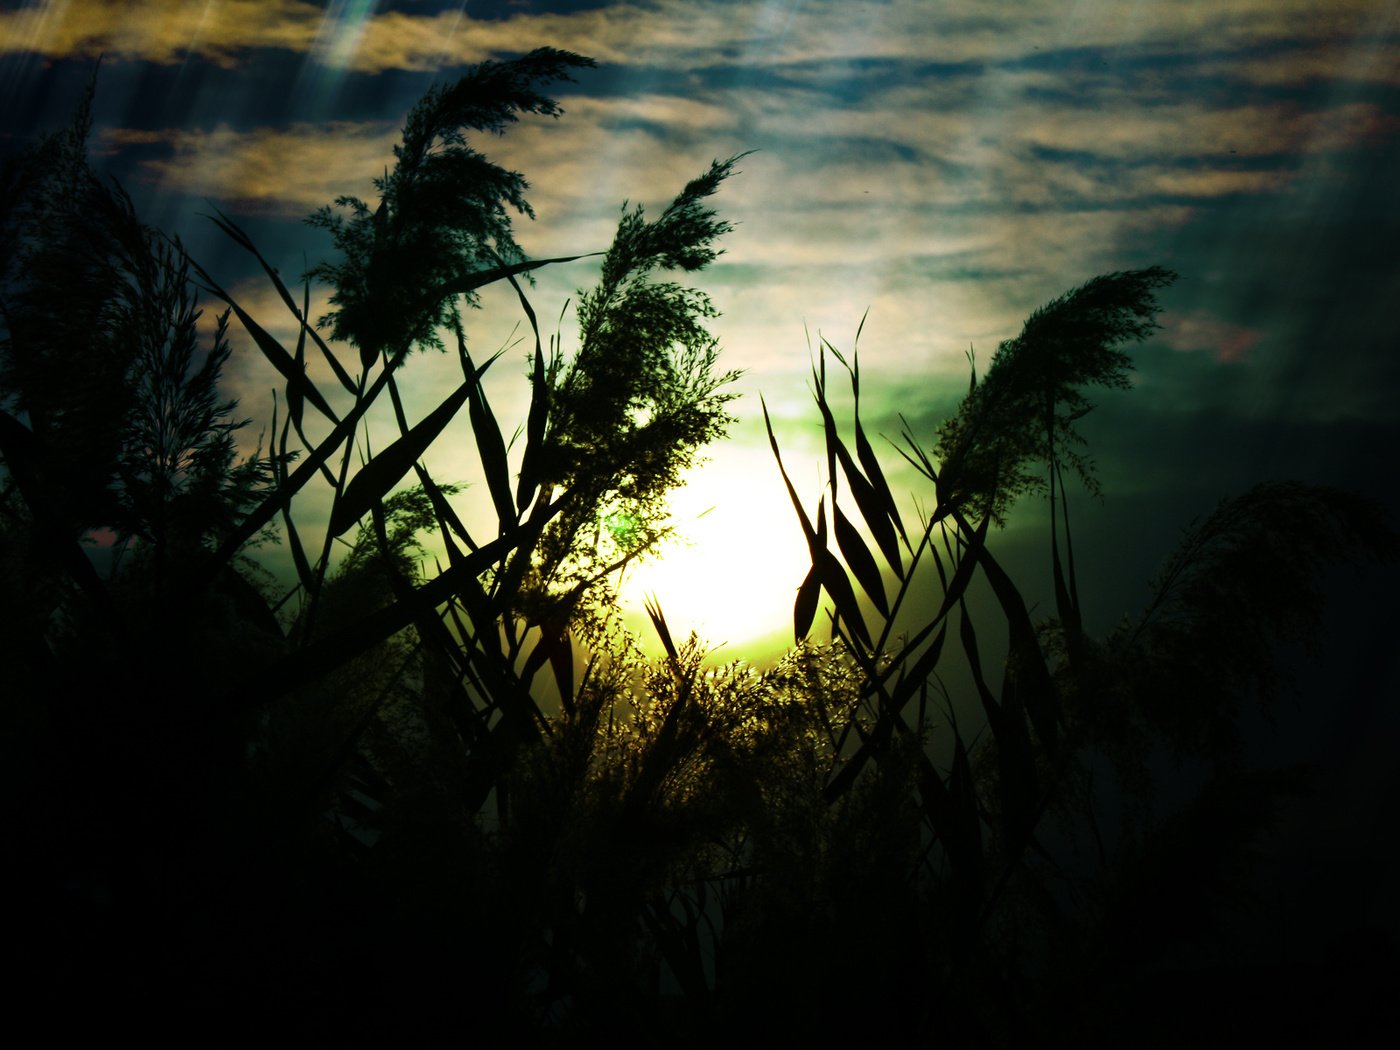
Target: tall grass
(351, 805)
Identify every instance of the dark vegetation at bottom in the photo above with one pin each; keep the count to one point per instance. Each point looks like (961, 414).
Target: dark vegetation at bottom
(466, 807)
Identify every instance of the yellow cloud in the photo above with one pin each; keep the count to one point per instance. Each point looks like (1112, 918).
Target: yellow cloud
(680, 34)
(291, 170)
(163, 31)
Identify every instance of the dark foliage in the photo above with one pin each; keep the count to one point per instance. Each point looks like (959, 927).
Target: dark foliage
(443, 214)
(402, 804)
(1018, 422)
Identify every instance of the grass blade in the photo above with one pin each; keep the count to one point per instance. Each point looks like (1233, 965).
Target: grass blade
(919, 671)
(472, 281)
(1015, 758)
(805, 521)
(279, 466)
(274, 351)
(446, 515)
(879, 487)
(489, 445)
(528, 483)
(268, 509)
(838, 585)
(1034, 686)
(804, 610)
(872, 509)
(385, 470)
(858, 557)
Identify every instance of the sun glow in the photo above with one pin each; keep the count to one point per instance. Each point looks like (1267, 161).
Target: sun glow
(733, 571)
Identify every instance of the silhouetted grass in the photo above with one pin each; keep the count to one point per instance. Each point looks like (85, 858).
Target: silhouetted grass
(390, 804)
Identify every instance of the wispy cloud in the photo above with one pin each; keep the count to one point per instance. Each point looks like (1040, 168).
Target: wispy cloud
(290, 171)
(1199, 331)
(688, 34)
(161, 31)
(947, 167)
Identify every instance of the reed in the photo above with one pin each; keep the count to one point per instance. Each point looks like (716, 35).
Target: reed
(465, 796)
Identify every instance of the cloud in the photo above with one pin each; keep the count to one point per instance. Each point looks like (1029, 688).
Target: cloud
(947, 169)
(290, 171)
(161, 31)
(1194, 332)
(679, 34)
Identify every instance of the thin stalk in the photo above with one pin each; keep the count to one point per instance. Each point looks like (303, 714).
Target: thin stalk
(323, 562)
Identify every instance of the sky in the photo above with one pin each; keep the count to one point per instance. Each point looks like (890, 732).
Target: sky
(938, 169)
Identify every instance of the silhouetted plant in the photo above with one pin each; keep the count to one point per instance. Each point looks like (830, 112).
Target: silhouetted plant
(1241, 583)
(382, 779)
(641, 396)
(443, 213)
(124, 426)
(62, 364)
(1015, 431)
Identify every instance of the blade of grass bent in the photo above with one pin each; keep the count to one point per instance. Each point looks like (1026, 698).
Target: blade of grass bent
(528, 482)
(1015, 758)
(1034, 686)
(829, 570)
(489, 445)
(303, 567)
(858, 557)
(804, 609)
(274, 351)
(385, 470)
(807, 531)
(876, 504)
(876, 476)
(240, 237)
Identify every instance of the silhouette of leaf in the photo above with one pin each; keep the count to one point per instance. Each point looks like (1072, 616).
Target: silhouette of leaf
(1015, 758)
(876, 511)
(538, 418)
(561, 661)
(880, 487)
(658, 622)
(546, 650)
(444, 510)
(917, 673)
(804, 610)
(471, 282)
(489, 444)
(274, 351)
(240, 237)
(838, 585)
(281, 497)
(1029, 679)
(806, 522)
(858, 557)
(279, 467)
(385, 470)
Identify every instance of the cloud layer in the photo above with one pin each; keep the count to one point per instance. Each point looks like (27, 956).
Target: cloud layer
(940, 169)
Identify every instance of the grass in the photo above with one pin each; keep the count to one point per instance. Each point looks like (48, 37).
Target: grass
(352, 809)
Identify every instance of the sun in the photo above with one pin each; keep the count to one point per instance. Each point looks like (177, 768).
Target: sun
(732, 573)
